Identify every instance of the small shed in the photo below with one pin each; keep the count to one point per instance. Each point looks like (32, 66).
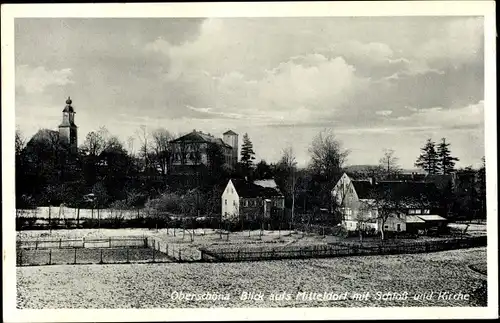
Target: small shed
(434, 222)
(414, 224)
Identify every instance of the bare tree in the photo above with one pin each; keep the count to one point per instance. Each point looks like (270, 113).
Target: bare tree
(130, 145)
(144, 150)
(387, 202)
(389, 163)
(288, 165)
(95, 142)
(161, 147)
(327, 160)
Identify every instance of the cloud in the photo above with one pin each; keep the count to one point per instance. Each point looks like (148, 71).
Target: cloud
(35, 80)
(467, 117)
(456, 43)
(268, 76)
(384, 113)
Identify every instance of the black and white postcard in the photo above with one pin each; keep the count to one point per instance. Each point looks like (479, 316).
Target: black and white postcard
(231, 161)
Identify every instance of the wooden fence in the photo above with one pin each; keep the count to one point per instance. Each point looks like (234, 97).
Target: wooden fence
(338, 250)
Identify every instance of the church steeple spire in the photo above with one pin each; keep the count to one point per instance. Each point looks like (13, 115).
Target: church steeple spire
(68, 128)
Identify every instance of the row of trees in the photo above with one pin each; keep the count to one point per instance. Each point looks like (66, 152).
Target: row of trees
(103, 166)
(436, 159)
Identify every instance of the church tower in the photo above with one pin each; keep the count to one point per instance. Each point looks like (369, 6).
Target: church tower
(68, 128)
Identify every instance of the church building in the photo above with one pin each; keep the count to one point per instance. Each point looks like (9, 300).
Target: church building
(66, 136)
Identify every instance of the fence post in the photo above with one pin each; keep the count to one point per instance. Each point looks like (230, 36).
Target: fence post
(75, 257)
(166, 248)
(145, 242)
(159, 246)
(153, 251)
(238, 255)
(60, 243)
(180, 255)
(36, 244)
(83, 242)
(50, 256)
(101, 262)
(21, 258)
(110, 242)
(128, 258)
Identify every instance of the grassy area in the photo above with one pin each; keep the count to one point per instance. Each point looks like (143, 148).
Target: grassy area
(152, 285)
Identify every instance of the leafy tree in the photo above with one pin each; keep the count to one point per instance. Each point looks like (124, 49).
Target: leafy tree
(429, 158)
(389, 163)
(20, 142)
(114, 165)
(247, 154)
(446, 162)
(263, 170)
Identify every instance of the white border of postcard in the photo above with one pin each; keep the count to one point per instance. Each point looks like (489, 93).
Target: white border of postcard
(270, 9)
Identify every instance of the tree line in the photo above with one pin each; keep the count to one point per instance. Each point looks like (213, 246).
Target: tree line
(138, 175)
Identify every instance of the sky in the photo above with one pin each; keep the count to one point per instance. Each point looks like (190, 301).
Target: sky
(376, 82)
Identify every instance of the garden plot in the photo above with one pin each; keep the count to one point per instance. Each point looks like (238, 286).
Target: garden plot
(88, 256)
(153, 285)
(177, 241)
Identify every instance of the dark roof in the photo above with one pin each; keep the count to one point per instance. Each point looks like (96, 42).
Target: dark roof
(68, 107)
(408, 189)
(363, 188)
(230, 132)
(397, 189)
(44, 136)
(251, 190)
(200, 137)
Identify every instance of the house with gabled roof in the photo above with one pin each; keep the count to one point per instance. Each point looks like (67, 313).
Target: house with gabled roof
(245, 200)
(358, 201)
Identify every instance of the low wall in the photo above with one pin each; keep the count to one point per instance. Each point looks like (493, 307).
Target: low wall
(72, 213)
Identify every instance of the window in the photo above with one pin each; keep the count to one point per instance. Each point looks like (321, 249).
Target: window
(234, 203)
(427, 211)
(418, 211)
(225, 202)
(245, 203)
(386, 227)
(411, 211)
(398, 227)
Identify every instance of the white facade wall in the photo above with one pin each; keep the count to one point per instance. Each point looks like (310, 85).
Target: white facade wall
(230, 202)
(391, 225)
